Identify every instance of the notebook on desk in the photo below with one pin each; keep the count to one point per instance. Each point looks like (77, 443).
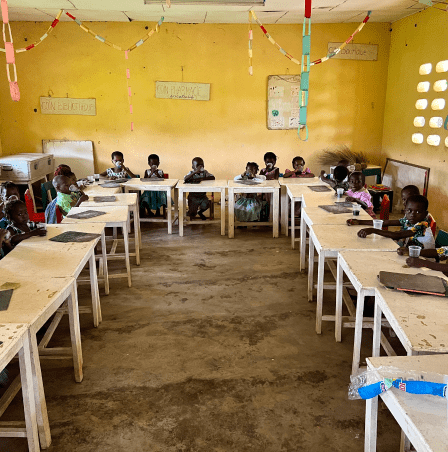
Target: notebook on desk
(422, 284)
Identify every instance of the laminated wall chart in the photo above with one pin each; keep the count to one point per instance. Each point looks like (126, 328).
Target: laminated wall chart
(283, 102)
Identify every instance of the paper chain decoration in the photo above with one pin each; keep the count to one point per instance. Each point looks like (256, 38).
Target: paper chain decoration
(35, 44)
(110, 44)
(10, 57)
(305, 71)
(413, 387)
(320, 60)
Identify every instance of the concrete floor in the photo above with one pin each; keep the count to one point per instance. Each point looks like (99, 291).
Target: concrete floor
(212, 349)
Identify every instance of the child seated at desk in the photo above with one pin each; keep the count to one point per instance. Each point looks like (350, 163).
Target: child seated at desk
(249, 206)
(20, 226)
(413, 225)
(8, 192)
(5, 243)
(436, 253)
(339, 180)
(271, 172)
(298, 164)
(358, 193)
(66, 198)
(119, 171)
(198, 203)
(153, 200)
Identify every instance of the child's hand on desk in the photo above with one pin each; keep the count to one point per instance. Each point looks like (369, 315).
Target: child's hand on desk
(4, 236)
(352, 222)
(415, 262)
(351, 199)
(40, 232)
(403, 251)
(83, 198)
(363, 233)
(322, 173)
(112, 177)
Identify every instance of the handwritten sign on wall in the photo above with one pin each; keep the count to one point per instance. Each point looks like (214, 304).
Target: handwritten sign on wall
(181, 90)
(67, 106)
(366, 52)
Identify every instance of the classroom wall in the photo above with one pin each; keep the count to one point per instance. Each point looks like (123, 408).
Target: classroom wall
(346, 100)
(415, 40)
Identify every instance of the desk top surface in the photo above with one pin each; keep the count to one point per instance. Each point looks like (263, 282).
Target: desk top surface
(335, 238)
(203, 185)
(10, 335)
(299, 180)
(97, 190)
(122, 199)
(317, 215)
(141, 185)
(271, 184)
(112, 214)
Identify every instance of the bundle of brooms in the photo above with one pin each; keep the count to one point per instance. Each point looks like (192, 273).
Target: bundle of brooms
(332, 155)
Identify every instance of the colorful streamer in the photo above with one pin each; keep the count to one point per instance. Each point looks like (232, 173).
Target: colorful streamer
(110, 44)
(320, 60)
(10, 57)
(251, 37)
(305, 72)
(45, 35)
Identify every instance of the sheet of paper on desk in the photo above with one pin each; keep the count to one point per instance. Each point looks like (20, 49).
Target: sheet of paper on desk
(75, 236)
(423, 284)
(104, 198)
(336, 209)
(87, 214)
(319, 188)
(5, 298)
(247, 182)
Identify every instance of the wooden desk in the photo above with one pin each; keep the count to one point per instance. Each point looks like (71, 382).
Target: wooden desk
(422, 417)
(33, 303)
(166, 185)
(269, 186)
(50, 259)
(364, 279)
(115, 217)
(14, 338)
(329, 240)
(206, 186)
(96, 189)
(129, 200)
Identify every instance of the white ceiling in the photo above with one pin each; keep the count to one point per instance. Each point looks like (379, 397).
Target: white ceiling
(274, 11)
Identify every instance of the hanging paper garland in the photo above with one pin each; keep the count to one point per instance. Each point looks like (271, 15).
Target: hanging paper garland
(305, 71)
(110, 44)
(251, 37)
(35, 44)
(320, 60)
(10, 57)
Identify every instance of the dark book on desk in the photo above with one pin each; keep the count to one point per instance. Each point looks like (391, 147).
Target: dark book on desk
(86, 214)
(75, 236)
(319, 188)
(152, 179)
(5, 298)
(104, 198)
(336, 209)
(247, 182)
(420, 284)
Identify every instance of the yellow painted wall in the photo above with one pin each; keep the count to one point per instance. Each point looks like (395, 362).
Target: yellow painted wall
(346, 97)
(415, 40)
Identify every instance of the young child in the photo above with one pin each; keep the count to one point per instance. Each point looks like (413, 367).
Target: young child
(413, 225)
(358, 193)
(339, 180)
(8, 192)
(119, 171)
(198, 203)
(5, 243)
(437, 253)
(271, 172)
(249, 206)
(20, 226)
(298, 164)
(62, 170)
(406, 192)
(153, 200)
(66, 199)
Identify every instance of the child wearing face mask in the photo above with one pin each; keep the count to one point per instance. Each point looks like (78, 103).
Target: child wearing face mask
(299, 170)
(119, 171)
(271, 172)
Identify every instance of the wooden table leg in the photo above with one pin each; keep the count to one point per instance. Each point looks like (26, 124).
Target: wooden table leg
(371, 424)
(169, 210)
(137, 241)
(181, 212)
(94, 289)
(293, 226)
(176, 205)
(43, 425)
(75, 335)
(320, 291)
(223, 211)
(126, 253)
(275, 215)
(284, 210)
(29, 396)
(358, 331)
(310, 269)
(105, 266)
(303, 229)
(30, 188)
(231, 213)
(339, 288)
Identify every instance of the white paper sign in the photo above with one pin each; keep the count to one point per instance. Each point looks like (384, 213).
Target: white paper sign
(276, 91)
(366, 52)
(181, 90)
(67, 106)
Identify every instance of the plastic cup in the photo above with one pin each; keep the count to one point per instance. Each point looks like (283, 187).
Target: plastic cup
(378, 224)
(414, 251)
(90, 178)
(356, 209)
(340, 192)
(96, 177)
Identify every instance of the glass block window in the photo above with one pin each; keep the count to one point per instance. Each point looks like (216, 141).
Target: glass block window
(438, 104)
(440, 85)
(423, 87)
(425, 69)
(446, 142)
(421, 104)
(442, 66)
(433, 140)
(417, 138)
(419, 121)
(436, 122)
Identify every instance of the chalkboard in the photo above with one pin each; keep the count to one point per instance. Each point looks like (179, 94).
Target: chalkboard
(283, 102)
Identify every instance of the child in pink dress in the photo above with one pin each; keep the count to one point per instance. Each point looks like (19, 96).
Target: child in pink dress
(298, 163)
(358, 193)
